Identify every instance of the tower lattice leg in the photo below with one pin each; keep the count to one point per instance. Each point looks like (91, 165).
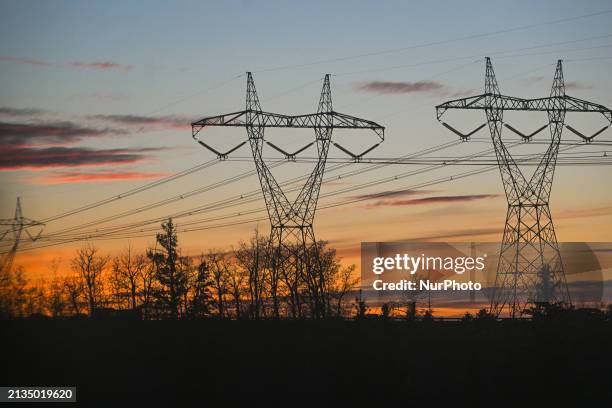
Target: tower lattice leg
(295, 251)
(530, 270)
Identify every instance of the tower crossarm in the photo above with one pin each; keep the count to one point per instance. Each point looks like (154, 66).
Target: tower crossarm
(17, 225)
(292, 240)
(580, 105)
(510, 103)
(484, 101)
(241, 119)
(275, 120)
(25, 222)
(344, 121)
(255, 120)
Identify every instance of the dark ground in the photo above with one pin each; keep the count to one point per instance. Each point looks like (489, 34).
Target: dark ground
(110, 360)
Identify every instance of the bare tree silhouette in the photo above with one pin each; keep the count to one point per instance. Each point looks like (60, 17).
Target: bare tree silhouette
(218, 264)
(128, 268)
(252, 257)
(90, 266)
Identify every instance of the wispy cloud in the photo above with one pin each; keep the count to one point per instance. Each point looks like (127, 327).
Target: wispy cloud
(459, 93)
(586, 212)
(103, 66)
(28, 158)
(20, 112)
(48, 133)
(29, 142)
(423, 87)
(578, 85)
(389, 194)
(430, 200)
(91, 65)
(463, 233)
(24, 61)
(386, 87)
(533, 79)
(568, 84)
(171, 121)
(72, 177)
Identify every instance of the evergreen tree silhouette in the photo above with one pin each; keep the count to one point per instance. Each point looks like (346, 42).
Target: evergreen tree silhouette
(170, 271)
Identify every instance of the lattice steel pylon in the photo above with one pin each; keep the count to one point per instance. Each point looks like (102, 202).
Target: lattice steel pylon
(16, 225)
(292, 234)
(530, 270)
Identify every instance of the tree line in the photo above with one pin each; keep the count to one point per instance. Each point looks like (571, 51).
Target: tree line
(162, 283)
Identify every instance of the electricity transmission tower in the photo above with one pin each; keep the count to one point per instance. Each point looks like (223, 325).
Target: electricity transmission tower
(292, 235)
(16, 225)
(530, 270)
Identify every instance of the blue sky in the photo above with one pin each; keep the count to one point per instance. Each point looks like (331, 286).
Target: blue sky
(178, 48)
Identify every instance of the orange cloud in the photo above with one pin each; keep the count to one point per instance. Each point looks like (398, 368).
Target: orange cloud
(585, 213)
(106, 175)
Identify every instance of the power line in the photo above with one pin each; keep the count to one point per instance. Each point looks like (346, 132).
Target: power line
(330, 194)
(434, 43)
(133, 191)
(495, 53)
(437, 181)
(253, 195)
(204, 91)
(103, 202)
(204, 165)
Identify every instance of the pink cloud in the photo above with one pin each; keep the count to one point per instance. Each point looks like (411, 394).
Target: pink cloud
(142, 122)
(100, 176)
(94, 65)
(104, 66)
(24, 61)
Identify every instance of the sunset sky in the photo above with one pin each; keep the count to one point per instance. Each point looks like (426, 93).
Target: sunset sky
(97, 99)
